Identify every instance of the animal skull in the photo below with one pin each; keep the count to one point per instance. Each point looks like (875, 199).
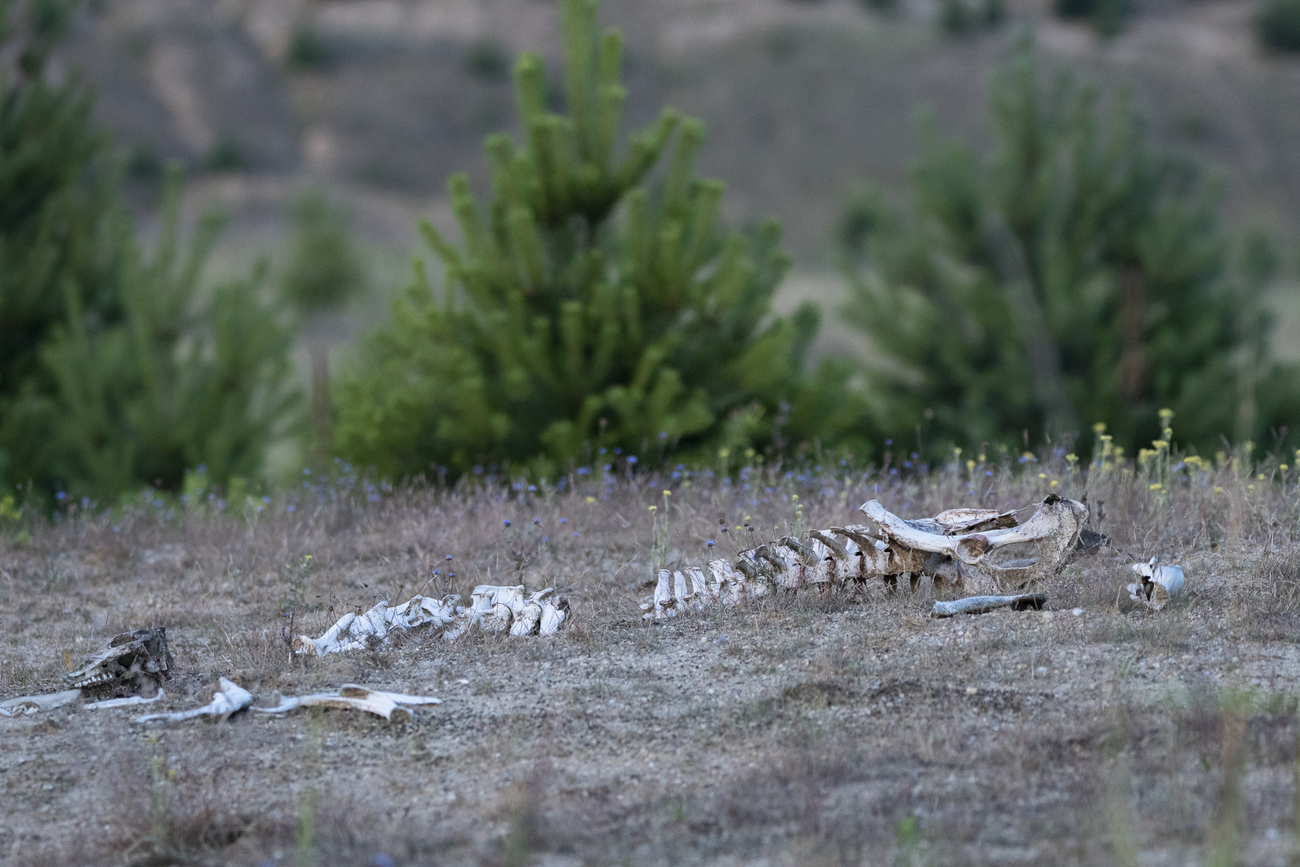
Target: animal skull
(123, 667)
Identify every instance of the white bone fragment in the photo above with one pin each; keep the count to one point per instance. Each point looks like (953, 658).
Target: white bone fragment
(554, 612)
(352, 696)
(528, 619)
(492, 609)
(1158, 584)
(985, 604)
(28, 704)
(124, 702)
(230, 699)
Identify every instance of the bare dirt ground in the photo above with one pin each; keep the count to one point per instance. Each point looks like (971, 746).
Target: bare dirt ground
(849, 729)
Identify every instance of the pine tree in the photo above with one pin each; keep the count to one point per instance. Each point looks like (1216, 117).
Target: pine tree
(175, 385)
(56, 190)
(112, 373)
(590, 303)
(324, 272)
(1073, 277)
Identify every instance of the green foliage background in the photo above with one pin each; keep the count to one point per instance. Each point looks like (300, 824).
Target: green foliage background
(590, 303)
(1072, 276)
(114, 373)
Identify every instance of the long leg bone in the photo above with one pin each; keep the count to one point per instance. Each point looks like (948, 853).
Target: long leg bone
(377, 702)
(124, 702)
(230, 699)
(985, 604)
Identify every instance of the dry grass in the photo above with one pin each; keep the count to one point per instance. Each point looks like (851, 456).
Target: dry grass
(842, 729)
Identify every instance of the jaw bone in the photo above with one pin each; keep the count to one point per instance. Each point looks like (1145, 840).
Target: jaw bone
(952, 548)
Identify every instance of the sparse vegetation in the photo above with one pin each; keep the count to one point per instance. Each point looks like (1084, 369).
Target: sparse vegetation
(226, 154)
(773, 729)
(962, 18)
(324, 270)
(488, 60)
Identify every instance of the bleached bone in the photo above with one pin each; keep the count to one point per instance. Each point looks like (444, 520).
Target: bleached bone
(352, 696)
(130, 660)
(1158, 584)
(124, 702)
(32, 703)
(492, 608)
(985, 604)
(1054, 529)
(356, 631)
(230, 699)
(951, 548)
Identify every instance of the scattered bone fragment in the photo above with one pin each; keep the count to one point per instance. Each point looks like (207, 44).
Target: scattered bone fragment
(28, 704)
(985, 604)
(357, 631)
(492, 609)
(955, 548)
(351, 696)
(124, 702)
(132, 661)
(1157, 584)
(230, 698)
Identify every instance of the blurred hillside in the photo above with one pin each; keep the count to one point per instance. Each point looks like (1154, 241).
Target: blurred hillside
(378, 101)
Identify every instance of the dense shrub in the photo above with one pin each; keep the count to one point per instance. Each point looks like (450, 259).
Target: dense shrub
(589, 304)
(1107, 17)
(962, 17)
(175, 384)
(324, 270)
(113, 374)
(1071, 277)
(1277, 25)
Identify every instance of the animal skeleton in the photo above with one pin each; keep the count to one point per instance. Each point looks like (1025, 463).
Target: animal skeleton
(493, 609)
(952, 548)
(130, 660)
